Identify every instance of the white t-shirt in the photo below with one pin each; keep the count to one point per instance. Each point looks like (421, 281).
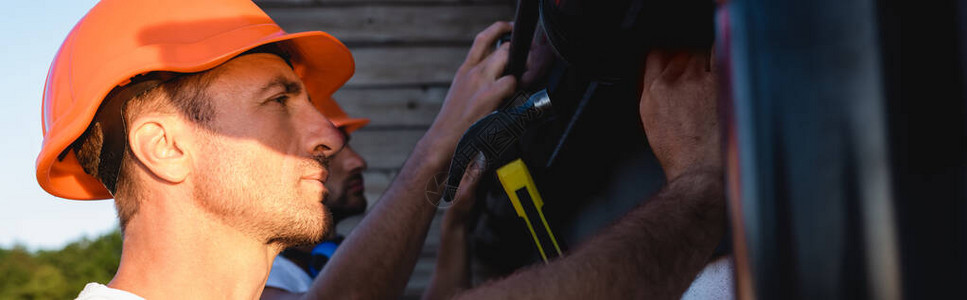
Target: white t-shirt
(715, 282)
(286, 275)
(97, 291)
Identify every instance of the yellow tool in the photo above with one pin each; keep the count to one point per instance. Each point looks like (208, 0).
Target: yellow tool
(520, 187)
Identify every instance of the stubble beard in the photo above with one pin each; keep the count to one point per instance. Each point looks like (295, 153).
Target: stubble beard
(273, 222)
(348, 206)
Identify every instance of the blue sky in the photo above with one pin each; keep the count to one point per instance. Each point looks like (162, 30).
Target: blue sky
(31, 32)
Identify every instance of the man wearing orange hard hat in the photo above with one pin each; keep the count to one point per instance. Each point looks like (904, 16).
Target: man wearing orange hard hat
(214, 130)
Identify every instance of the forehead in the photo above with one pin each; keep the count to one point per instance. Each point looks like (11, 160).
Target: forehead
(250, 72)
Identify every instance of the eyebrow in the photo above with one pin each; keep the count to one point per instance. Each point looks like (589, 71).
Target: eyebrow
(291, 87)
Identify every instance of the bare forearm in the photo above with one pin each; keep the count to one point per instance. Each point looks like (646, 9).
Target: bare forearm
(452, 273)
(654, 252)
(375, 261)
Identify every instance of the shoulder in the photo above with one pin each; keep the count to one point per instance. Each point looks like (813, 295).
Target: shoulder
(286, 275)
(97, 291)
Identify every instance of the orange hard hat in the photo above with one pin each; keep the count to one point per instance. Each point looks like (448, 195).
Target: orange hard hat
(120, 39)
(338, 117)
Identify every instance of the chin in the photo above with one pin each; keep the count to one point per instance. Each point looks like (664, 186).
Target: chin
(309, 229)
(322, 228)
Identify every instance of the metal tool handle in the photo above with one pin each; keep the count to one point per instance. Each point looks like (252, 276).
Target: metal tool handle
(525, 22)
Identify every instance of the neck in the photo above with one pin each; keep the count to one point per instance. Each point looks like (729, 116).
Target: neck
(174, 250)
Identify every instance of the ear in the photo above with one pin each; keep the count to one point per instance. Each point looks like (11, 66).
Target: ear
(154, 141)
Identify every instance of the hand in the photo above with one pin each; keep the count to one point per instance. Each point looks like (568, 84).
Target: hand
(477, 87)
(458, 215)
(679, 112)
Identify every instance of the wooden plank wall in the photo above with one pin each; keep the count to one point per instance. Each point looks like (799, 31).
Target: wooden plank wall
(406, 52)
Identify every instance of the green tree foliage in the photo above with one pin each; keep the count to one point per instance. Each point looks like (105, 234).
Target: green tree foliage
(58, 274)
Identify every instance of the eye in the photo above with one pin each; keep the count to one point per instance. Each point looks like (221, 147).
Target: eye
(281, 99)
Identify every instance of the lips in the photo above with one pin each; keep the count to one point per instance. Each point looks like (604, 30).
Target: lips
(354, 184)
(320, 176)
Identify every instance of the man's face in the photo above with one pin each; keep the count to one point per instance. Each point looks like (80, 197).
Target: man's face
(261, 166)
(346, 197)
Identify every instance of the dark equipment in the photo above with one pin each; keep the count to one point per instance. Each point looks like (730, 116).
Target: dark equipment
(598, 42)
(846, 161)
(584, 145)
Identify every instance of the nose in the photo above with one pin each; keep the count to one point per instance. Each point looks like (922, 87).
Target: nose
(320, 136)
(352, 161)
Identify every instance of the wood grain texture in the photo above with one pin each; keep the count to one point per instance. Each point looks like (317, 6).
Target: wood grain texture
(385, 149)
(393, 107)
(406, 66)
(393, 24)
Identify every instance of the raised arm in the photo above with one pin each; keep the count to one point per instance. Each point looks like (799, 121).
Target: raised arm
(655, 251)
(376, 260)
(452, 272)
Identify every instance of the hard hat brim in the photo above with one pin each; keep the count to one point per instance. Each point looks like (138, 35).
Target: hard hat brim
(350, 124)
